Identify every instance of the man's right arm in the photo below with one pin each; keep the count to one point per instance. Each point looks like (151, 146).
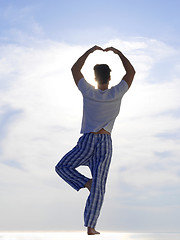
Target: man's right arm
(130, 71)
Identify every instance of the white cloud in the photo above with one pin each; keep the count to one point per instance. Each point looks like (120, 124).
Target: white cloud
(19, 24)
(39, 84)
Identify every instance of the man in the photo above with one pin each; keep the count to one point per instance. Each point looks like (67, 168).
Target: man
(94, 148)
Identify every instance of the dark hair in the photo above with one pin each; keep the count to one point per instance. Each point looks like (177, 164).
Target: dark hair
(102, 73)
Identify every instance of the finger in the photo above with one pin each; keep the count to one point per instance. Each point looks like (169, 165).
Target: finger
(96, 48)
(99, 48)
(107, 49)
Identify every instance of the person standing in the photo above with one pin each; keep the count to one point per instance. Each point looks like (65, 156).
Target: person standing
(94, 148)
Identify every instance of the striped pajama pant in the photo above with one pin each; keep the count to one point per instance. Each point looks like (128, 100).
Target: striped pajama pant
(94, 151)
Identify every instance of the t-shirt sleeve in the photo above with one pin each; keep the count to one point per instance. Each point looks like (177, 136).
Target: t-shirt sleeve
(84, 86)
(121, 88)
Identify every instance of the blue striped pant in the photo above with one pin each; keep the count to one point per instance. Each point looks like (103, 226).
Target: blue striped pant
(94, 151)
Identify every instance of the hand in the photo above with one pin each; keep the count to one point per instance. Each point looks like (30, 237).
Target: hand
(116, 51)
(91, 50)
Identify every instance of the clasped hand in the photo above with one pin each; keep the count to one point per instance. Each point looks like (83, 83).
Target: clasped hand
(104, 50)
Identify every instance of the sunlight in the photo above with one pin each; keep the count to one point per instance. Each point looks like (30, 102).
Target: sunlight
(99, 57)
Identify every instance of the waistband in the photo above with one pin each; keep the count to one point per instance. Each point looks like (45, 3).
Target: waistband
(102, 131)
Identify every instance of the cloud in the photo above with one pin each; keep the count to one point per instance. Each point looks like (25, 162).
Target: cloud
(164, 154)
(19, 24)
(12, 163)
(6, 117)
(41, 111)
(175, 135)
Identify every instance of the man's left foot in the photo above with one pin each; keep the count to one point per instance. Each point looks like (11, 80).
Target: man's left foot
(92, 231)
(88, 184)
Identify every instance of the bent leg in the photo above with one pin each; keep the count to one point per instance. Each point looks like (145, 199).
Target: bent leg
(99, 168)
(79, 155)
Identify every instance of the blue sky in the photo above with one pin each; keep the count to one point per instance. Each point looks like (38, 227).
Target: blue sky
(71, 21)
(41, 110)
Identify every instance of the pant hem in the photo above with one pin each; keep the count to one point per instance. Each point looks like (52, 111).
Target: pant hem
(83, 184)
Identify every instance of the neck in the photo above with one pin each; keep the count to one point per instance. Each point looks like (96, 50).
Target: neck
(103, 86)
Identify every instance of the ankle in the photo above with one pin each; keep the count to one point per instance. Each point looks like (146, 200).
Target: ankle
(92, 231)
(88, 184)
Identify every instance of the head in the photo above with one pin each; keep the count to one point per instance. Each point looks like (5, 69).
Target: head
(102, 73)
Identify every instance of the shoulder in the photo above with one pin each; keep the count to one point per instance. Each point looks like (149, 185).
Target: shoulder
(121, 88)
(84, 86)
(123, 85)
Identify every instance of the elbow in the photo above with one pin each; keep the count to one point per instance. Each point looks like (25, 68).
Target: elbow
(133, 72)
(72, 69)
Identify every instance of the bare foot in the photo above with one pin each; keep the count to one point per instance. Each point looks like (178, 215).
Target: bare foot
(92, 231)
(88, 184)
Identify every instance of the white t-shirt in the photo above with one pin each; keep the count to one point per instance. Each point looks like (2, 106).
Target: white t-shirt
(100, 107)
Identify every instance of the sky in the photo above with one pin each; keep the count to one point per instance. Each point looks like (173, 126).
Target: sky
(41, 111)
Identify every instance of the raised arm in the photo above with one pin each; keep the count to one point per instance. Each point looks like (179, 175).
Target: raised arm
(76, 68)
(130, 72)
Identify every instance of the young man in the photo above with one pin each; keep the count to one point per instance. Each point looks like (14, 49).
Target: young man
(94, 148)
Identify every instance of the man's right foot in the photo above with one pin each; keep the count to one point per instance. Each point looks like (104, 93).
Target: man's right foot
(92, 231)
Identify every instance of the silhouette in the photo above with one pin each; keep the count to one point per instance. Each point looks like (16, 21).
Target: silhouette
(94, 148)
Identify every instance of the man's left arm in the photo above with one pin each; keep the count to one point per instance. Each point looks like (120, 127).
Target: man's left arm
(76, 68)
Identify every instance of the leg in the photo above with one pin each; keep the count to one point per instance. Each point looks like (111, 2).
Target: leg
(99, 168)
(79, 155)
